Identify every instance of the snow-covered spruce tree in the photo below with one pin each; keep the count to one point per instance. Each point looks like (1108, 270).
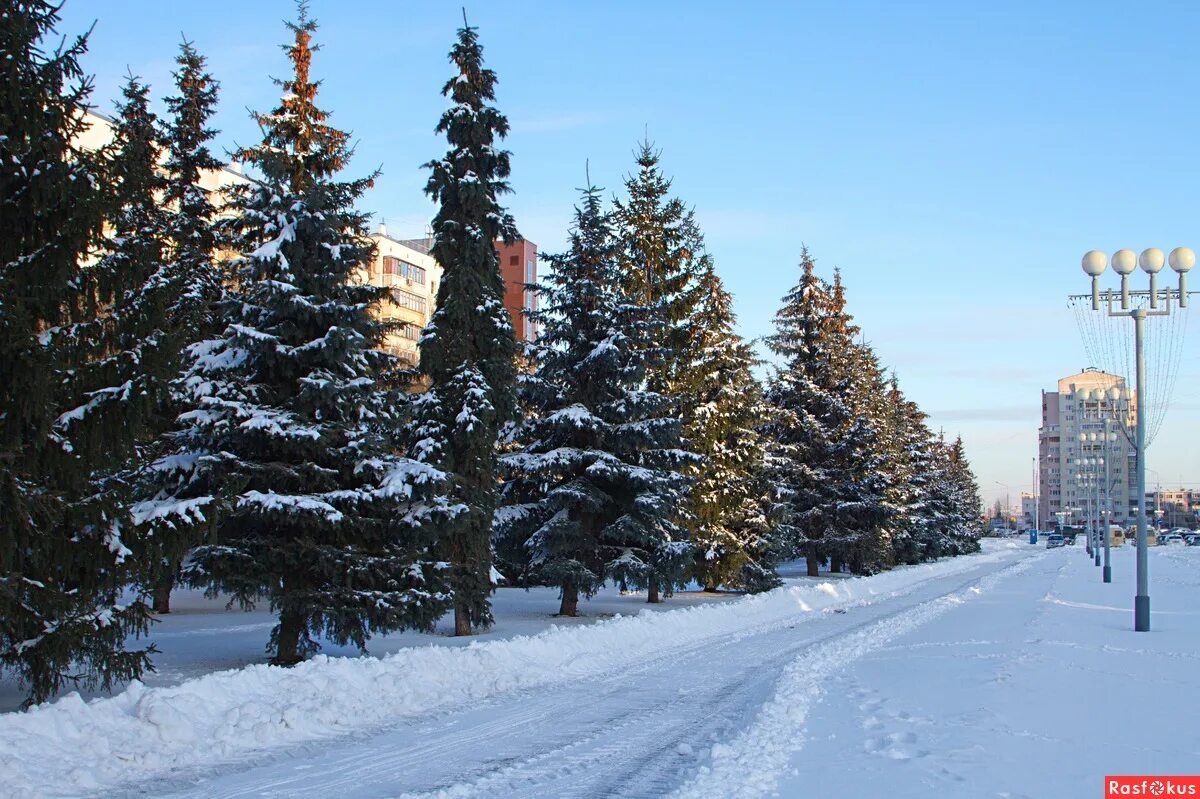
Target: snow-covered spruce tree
(908, 464)
(824, 470)
(295, 422)
(662, 260)
(733, 534)
(468, 350)
(594, 486)
(192, 239)
(79, 356)
(966, 526)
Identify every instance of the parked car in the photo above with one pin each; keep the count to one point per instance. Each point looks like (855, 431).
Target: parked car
(1173, 539)
(1054, 540)
(1195, 542)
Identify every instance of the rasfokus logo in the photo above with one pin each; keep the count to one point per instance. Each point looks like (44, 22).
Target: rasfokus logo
(1151, 786)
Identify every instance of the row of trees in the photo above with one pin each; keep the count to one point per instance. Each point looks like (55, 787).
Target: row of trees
(234, 422)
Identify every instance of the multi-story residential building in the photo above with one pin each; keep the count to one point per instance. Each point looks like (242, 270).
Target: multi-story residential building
(411, 277)
(519, 268)
(1029, 512)
(1079, 471)
(1173, 507)
(405, 267)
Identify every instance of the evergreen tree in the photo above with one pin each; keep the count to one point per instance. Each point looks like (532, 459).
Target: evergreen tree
(965, 526)
(909, 464)
(468, 350)
(662, 259)
(733, 533)
(81, 354)
(192, 239)
(595, 483)
(826, 473)
(295, 423)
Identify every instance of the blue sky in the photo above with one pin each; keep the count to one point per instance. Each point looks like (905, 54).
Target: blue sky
(954, 160)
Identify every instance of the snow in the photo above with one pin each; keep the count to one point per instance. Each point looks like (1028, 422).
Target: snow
(992, 674)
(68, 745)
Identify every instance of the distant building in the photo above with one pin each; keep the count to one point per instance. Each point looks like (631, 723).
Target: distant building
(1073, 457)
(519, 268)
(1029, 512)
(1173, 508)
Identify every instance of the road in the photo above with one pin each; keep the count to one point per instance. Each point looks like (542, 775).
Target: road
(646, 730)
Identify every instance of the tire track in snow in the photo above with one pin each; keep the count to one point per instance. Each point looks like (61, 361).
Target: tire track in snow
(647, 752)
(750, 766)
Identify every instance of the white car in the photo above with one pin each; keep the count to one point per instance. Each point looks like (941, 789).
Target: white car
(1169, 539)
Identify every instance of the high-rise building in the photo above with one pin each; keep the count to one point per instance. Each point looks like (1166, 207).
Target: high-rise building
(1080, 472)
(519, 268)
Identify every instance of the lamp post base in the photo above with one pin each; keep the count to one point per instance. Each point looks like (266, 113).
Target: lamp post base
(1108, 574)
(1141, 614)
(1097, 557)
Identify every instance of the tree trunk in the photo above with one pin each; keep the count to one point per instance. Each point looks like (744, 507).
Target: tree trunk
(570, 599)
(462, 620)
(287, 651)
(624, 587)
(811, 559)
(710, 585)
(162, 594)
(835, 564)
(652, 593)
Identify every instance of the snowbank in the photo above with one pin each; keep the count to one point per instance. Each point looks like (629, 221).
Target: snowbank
(72, 746)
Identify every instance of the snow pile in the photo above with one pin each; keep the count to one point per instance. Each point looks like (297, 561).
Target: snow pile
(72, 746)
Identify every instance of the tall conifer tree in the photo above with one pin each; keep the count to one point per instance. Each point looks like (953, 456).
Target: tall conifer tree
(192, 240)
(81, 350)
(662, 258)
(733, 533)
(296, 407)
(595, 484)
(469, 349)
(827, 471)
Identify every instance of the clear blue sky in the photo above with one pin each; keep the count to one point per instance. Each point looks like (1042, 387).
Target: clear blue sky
(954, 160)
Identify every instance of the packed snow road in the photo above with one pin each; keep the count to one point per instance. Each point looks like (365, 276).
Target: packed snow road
(643, 726)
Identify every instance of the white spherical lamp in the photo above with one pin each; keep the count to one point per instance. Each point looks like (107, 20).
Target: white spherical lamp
(1182, 259)
(1124, 262)
(1152, 260)
(1094, 262)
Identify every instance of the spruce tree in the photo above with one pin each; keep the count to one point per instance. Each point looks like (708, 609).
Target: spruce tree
(826, 470)
(296, 408)
(733, 533)
(468, 349)
(965, 526)
(192, 240)
(663, 259)
(594, 485)
(81, 353)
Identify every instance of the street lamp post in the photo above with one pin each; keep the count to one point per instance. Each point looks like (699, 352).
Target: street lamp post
(1182, 259)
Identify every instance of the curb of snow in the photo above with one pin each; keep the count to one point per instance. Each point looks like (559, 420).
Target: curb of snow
(72, 746)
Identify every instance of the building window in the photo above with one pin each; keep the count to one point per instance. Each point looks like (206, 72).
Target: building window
(410, 331)
(394, 266)
(514, 260)
(406, 299)
(529, 277)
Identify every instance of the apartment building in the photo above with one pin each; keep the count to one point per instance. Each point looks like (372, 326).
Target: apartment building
(519, 268)
(403, 266)
(1086, 459)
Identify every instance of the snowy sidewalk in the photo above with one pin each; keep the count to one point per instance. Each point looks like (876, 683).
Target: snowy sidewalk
(1037, 688)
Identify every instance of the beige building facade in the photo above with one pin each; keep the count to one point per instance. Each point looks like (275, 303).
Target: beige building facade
(1086, 459)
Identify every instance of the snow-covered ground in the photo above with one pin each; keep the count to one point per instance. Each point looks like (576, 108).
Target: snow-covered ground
(1011, 673)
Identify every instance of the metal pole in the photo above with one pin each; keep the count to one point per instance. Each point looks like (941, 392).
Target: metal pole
(1107, 507)
(1141, 600)
(1099, 510)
